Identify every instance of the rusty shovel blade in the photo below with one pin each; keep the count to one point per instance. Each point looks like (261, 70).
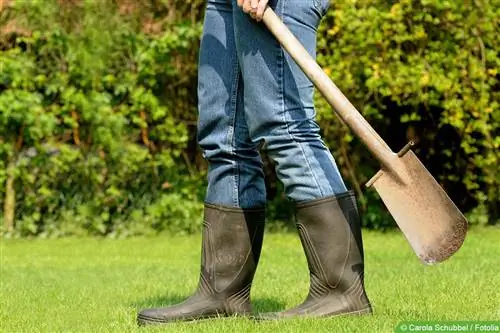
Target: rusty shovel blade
(430, 221)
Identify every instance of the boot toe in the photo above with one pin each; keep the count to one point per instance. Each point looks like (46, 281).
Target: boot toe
(166, 315)
(149, 316)
(188, 311)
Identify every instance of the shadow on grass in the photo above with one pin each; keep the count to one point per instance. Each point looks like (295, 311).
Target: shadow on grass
(259, 304)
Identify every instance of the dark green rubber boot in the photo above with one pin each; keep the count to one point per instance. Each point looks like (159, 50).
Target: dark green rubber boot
(330, 233)
(232, 240)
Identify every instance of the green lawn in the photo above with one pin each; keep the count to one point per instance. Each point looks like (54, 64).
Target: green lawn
(92, 285)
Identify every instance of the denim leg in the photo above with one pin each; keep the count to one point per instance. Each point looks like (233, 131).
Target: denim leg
(278, 100)
(235, 176)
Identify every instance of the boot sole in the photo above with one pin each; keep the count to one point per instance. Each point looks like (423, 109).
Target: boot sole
(366, 311)
(144, 321)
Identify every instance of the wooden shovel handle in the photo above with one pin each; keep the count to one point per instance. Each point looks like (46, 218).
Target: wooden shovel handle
(329, 90)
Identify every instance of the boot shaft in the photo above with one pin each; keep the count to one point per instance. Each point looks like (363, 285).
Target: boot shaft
(231, 246)
(330, 233)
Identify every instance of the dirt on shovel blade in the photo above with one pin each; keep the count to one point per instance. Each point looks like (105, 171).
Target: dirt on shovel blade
(433, 225)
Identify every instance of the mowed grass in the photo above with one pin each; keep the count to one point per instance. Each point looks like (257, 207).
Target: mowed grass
(97, 285)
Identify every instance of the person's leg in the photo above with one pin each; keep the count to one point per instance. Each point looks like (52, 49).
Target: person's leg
(235, 176)
(279, 110)
(279, 101)
(234, 215)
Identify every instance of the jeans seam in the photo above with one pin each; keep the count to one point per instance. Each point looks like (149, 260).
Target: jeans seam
(309, 166)
(234, 101)
(282, 70)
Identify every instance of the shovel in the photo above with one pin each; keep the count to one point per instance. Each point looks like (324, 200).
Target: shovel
(430, 221)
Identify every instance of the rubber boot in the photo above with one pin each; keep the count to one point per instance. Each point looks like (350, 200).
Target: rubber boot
(231, 245)
(330, 233)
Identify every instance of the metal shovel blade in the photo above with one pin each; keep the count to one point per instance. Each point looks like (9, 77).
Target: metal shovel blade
(432, 224)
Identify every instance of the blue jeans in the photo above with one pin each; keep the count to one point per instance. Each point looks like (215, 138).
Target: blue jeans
(252, 95)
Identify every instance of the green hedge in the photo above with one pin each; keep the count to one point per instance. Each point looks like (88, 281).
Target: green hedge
(98, 109)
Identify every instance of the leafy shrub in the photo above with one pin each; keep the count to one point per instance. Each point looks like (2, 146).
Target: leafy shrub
(93, 129)
(98, 109)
